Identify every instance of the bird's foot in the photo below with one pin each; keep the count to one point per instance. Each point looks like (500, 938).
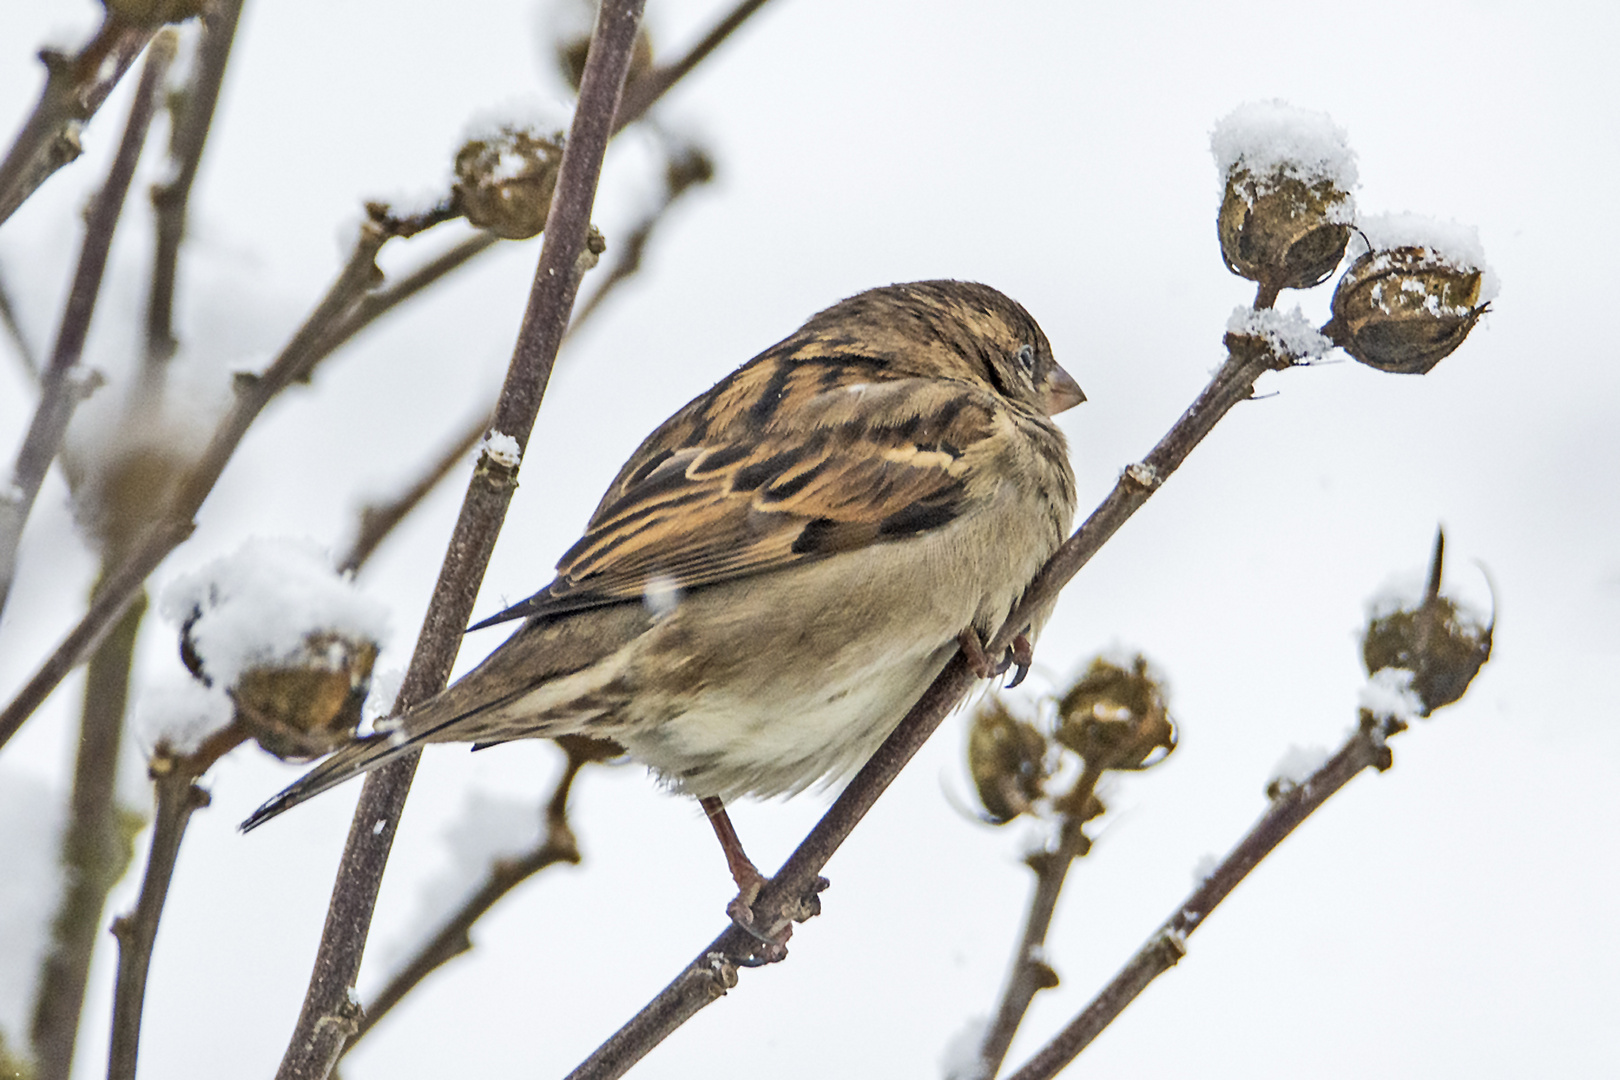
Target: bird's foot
(1019, 655)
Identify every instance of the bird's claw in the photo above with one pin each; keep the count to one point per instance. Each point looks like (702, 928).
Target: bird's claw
(1020, 654)
(770, 945)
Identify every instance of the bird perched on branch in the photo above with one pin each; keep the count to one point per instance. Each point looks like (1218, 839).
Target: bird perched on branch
(782, 568)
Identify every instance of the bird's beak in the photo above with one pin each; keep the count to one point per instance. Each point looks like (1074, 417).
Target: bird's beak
(1062, 392)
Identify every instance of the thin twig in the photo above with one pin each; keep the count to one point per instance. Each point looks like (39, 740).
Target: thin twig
(59, 391)
(178, 796)
(378, 520)
(454, 937)
(75, 87)
(713, 971)
(193, 116)
(14, 330)
(171, 527)
(328, 1017)
(95, 852)
(1030, 972)
(1365, 748)
(641, 94)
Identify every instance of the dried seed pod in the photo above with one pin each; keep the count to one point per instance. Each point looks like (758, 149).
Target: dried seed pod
(1443, 644)
(1286, 207)
(504, 180)
(1282, 231)
(1115, 717)
(309, 705)
(155, 12)
(1405, 309)
(1007, 758)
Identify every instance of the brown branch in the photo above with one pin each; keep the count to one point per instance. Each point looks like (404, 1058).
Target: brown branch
(59, 391)
(178, 796)
(1030, 973)
(14, 330)
(1365, 748)
(713, 971)
(170, 528)
(454, 938)
(328, 1017)
(377, 520)
(75, 87)
(95, 852)
(193, 116)
(640, 95)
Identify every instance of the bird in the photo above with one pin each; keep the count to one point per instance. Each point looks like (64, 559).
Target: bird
(784, 565)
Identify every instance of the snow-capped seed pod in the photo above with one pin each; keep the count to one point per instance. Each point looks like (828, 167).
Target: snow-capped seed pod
(1286, 209)
(1405, 309)
(1007, 759)
(308, 705)
(505, 179)
(290, 641)
(1280, 231)
(1442, 643)
(1115, 717)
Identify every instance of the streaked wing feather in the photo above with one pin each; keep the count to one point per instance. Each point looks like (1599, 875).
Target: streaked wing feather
(848, 469)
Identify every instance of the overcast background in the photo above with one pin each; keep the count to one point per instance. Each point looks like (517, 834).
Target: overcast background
(1452, 917)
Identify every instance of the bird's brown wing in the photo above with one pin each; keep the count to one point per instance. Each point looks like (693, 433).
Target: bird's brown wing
(859, 464)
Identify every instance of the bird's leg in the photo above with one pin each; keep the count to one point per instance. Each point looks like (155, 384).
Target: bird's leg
(973, 653)
(743, 871)
(749, 882)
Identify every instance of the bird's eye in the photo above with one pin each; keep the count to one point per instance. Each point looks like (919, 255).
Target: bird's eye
(1026, 359)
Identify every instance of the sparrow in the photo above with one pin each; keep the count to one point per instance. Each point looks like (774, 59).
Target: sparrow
(784, 565)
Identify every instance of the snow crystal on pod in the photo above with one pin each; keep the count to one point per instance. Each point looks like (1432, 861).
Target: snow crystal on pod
(1267, 136)
(1452, 242)
(258, 606)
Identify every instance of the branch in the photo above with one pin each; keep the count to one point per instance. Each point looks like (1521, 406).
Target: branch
(178, 797)
(714, 970)
(174, 522)
(75, 87)
(328, 1017)
(59, 392)
(192, 119)
(454, 937)
(1030, 973)
(1365, 748)
(95, 853)
(378, 520)
(25, 351)
(640, 95)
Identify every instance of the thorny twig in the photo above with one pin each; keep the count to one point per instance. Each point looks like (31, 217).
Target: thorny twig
(59, 390)
(75, 87)
(1365, 748)
(193, 115)
(714, 970)
(175, 778)
(328, 1017)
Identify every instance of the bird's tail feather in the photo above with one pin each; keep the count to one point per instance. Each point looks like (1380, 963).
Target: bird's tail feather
(369, 753)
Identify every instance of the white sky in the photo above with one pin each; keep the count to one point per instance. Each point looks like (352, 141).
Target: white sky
(1450, 917)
